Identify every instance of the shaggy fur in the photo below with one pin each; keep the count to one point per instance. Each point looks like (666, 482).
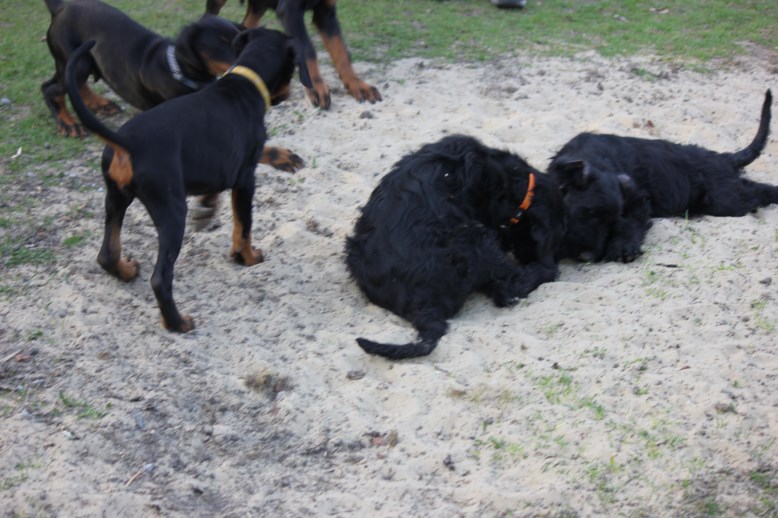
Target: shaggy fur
(613, 185)
(438, 227)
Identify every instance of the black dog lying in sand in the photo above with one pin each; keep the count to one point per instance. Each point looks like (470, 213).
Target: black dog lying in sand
(613, 185)
(438, 227)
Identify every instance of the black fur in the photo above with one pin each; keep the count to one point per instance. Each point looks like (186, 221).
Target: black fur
(202, 143)
(129, 57)
(613, 185)
(438, 227)
(325, 18)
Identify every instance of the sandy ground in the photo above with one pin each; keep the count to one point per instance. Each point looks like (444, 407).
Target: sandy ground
(648, 388)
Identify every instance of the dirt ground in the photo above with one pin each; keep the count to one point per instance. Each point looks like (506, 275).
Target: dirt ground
(642, 389)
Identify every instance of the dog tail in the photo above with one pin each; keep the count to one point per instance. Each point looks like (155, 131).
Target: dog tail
(745, 156)
(424, 345)
(88, 119)
(54, 5)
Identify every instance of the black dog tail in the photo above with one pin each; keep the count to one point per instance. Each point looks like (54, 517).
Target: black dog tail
(745, 156)
(426, 343)
(54, 5)
(87, 117)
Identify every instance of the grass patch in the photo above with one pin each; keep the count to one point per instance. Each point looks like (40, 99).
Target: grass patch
(83, 409)
(16, 253)
(383, 30)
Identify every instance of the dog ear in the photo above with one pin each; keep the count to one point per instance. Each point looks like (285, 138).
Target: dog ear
(574, 172)
(627, 184)
(240, 41)
(185, 43)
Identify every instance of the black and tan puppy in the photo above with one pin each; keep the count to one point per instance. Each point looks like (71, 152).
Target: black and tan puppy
(140, 66)
(613, 185)
(439, 227)
(291, 13)
(202, 143)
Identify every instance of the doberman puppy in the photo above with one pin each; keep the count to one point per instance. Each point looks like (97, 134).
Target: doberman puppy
(202, 143)
(142, 67)
(291, 12)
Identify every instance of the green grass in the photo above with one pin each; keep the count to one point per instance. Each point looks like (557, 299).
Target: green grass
(378, 31)
(381, 30)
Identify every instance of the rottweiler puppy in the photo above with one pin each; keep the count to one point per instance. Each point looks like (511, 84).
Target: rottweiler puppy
(325, 18)
(199, 144)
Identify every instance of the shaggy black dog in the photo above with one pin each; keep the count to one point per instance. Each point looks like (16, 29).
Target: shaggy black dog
(613, 185)
(438, 227)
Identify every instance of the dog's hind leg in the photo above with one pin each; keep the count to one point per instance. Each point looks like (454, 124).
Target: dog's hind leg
(110, 255)
(54, 95)
(739, 197)
(98, 103)
(169, 217)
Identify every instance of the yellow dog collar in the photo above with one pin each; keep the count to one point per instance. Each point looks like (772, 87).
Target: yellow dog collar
(255, 79)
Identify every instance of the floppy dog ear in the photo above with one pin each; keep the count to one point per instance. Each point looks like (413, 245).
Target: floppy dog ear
(240, 41)
(627, 184)
(574, 172)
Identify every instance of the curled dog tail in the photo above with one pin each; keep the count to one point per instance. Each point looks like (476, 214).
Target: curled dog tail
(54, 5)
(745, 156)
(88, 119)
(428, 339)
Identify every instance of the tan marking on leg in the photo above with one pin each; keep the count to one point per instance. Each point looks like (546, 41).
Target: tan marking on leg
(97, 103)
(359, 89)
(126, 269)
(319, 95)
(67, 125)
(241, 246)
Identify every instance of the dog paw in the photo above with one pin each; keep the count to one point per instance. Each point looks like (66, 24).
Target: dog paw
(624, 252)
(249, 256)
(319, 97)
(107, 109)
(282, 159)
(127, 269)
(74, 130)
(186, 325)
(362, 92)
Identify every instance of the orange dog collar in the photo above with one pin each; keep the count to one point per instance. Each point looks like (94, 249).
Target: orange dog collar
(525, 204)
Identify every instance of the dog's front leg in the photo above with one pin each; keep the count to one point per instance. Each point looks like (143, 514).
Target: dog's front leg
(626, 240)
(291, 16)
(326, 21)
(242, 251)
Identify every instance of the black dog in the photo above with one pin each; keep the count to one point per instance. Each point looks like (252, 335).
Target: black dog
(437, 228)
(613, 185)
(140, 66)
(201, 143)
(325, 18)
